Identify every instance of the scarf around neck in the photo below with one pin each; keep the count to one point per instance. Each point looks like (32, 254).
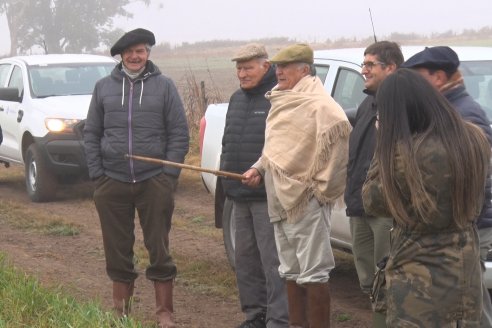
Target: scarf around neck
(306, 146)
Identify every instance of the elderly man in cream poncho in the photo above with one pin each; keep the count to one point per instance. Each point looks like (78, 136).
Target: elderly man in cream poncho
(303, 166)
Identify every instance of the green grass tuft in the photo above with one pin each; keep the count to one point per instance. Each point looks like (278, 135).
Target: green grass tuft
(21, 216)
(25, 303)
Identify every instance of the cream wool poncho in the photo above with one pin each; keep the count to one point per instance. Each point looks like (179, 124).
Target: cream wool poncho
(306, 146)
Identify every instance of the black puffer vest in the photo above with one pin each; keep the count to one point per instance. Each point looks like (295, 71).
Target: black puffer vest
(244, 136)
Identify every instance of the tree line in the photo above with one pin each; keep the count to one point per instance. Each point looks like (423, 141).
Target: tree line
(60, 26)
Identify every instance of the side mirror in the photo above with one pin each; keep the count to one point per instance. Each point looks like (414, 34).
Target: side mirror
(10, 94)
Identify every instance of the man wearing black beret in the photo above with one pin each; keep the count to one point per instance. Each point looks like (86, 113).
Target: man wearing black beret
(439, 65)
(137, 111)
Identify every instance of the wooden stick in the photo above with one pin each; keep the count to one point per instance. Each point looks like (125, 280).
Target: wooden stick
(231, 175)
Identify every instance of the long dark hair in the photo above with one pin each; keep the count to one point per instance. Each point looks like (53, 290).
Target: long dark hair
(411, 110)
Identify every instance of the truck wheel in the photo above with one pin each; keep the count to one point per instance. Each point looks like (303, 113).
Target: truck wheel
(229, 232)
(40, 183)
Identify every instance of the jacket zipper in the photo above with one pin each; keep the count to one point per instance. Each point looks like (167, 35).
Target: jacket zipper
(130, 131)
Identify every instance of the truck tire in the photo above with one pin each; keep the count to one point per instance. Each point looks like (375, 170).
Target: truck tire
(41, 184)
(229, 232)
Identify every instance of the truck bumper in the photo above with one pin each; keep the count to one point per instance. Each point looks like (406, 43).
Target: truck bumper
(64, 154)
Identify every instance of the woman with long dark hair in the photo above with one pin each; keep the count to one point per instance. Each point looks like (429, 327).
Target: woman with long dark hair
(428, 173)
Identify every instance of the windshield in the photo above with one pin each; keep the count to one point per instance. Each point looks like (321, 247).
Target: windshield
(478, 82)
(66, 79)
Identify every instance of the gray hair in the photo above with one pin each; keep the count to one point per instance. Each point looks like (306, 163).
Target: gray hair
(312, 69)
(262, 60)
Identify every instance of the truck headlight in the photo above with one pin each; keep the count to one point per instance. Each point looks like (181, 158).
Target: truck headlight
(60, 124)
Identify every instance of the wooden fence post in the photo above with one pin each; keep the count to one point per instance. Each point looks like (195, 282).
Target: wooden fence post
(204, 96)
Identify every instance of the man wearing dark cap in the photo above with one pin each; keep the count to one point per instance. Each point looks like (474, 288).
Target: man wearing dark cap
(439, 65)
(261, 290)
(303, 166)
(137, 111)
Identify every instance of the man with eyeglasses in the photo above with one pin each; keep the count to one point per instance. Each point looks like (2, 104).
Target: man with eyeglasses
(370, 235)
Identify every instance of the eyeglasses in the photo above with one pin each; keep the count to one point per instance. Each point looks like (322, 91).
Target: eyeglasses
(370, 65)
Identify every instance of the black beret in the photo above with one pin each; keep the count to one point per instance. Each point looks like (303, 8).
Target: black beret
(442, 58)
(132, 38)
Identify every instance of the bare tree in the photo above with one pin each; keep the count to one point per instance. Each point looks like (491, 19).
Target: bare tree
(63, 25)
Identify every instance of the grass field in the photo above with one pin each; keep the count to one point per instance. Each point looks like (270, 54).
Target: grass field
(25, 303)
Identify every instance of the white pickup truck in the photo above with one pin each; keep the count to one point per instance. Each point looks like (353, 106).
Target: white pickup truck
(339, 70)
(42, 99)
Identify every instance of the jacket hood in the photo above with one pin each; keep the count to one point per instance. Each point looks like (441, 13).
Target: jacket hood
(118, 74)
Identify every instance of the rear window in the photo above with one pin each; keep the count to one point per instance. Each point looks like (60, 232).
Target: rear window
(478, 82)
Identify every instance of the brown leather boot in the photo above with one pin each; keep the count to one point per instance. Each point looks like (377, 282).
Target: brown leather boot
(296, 296)
(164, 303)
(318, 296)
(122, 293)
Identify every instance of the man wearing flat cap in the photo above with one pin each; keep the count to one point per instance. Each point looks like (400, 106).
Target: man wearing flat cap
(137, 111)
(303, 166)
(439, 65)
(261, 290)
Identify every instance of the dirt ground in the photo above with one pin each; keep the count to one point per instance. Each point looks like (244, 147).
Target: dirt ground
(77, 263)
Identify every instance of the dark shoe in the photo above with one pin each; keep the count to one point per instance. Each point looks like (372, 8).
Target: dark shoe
(258, 322)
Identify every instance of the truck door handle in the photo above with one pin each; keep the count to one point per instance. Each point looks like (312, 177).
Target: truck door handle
(20, 114)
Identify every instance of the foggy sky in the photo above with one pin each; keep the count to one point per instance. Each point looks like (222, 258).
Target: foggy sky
(177, 21)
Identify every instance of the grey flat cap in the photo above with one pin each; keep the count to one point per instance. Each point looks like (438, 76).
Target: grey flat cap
(250, 51)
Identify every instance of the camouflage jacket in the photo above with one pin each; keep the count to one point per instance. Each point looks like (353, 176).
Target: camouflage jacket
(433, 276)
